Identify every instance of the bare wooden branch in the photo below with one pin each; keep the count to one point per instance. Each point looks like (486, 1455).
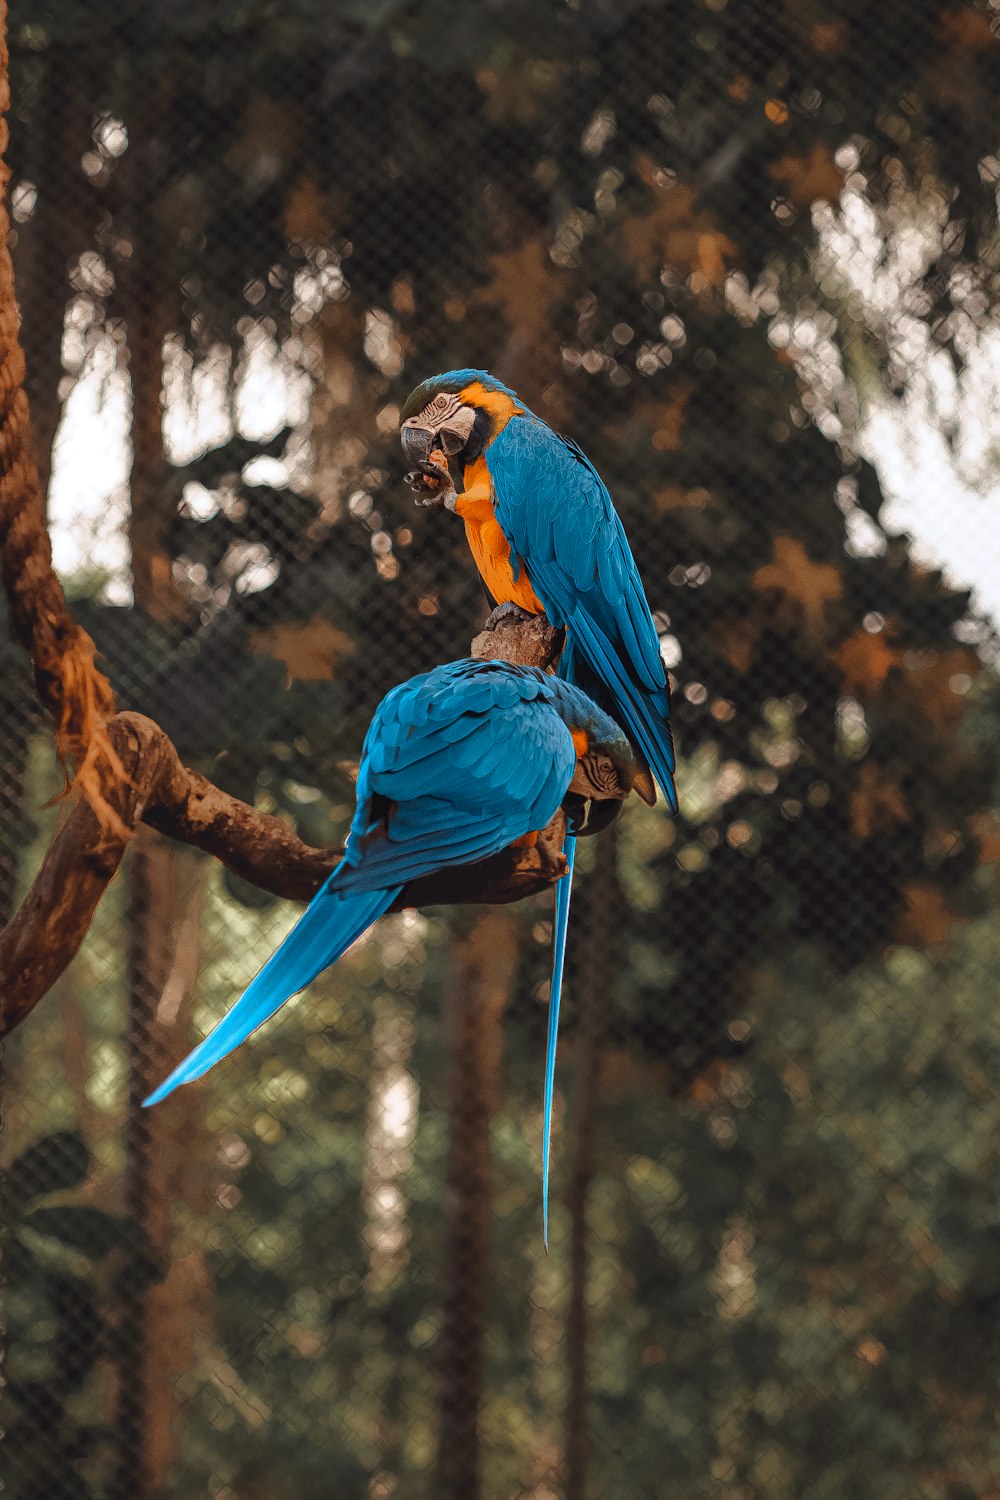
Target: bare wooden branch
(530, 642)
(156, 788)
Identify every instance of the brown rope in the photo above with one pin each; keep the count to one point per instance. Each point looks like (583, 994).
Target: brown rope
(75, 692)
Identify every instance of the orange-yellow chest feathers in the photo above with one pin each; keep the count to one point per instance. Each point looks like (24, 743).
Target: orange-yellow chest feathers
(487, 543)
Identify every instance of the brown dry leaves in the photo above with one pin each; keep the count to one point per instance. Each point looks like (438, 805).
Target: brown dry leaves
(737, 641)
(675, 231)
(829, 37)
(524, 286)
(810, 178)
(865, 661)
(927, 918)
(803, 588)
(520, 93)
(308, 212)
(968, 29)
(931, 683)
(876, 802)
(666, 418)
(310, 652)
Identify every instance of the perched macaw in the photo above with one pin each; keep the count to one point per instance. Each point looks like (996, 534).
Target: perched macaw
(457, 764)
(546, 539)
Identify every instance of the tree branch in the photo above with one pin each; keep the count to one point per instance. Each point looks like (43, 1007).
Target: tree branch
(151, 785)
(127, 770)
(156, 788)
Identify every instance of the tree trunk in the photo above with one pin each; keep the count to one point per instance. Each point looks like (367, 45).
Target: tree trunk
(166, 1159)
(161, 1146)
(52, 240)
(596, 926)
(149, 301)
(483, 970)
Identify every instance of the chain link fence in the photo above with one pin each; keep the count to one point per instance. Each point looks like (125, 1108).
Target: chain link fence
(746, 255)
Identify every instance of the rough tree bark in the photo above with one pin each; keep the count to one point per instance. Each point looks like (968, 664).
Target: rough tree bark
(592, 972)
(483, 970)
(43, 249)
(158, 1144)
(166, 1161)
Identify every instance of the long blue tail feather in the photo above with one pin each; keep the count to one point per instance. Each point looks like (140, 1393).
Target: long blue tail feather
(564, 891)
(329, 925)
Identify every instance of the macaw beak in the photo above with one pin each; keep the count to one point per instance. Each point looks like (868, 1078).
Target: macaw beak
(601, 814)
(585, 815)
(417, 442)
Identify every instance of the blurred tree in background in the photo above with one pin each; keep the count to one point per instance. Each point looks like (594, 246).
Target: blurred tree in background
(659, 223)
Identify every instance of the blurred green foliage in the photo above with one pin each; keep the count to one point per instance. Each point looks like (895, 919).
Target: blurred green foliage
(64, 1264)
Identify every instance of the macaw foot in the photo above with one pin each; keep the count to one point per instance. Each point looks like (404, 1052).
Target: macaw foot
(431, 485)
(508, 611)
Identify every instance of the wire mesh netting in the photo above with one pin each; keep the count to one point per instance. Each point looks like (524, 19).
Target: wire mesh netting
(745, 254)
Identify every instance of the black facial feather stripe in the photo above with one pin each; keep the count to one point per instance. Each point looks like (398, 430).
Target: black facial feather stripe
(437, 412)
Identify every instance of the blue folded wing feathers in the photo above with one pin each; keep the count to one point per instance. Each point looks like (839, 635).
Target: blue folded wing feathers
(645, 714)
(454, 795)
(469, 808)
(557, 513)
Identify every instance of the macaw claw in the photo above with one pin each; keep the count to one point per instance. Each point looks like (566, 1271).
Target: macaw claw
(420, 485)
(508, 611)
(429, 482)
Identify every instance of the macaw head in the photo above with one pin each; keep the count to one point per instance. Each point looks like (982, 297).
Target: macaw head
(460, 413)
(606, 768)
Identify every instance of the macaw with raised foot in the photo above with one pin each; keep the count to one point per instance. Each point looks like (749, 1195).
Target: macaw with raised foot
(546, 539)
(457, 764)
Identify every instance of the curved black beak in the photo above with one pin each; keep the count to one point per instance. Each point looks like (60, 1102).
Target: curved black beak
(585, 816)
(417, 442)
(601, 815)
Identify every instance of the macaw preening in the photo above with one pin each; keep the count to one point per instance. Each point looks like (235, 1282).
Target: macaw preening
(546, 539)
(457, 764)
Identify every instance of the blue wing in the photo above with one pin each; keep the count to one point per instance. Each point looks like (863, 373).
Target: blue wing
(561, 522)
(438, 785)
(456, 766)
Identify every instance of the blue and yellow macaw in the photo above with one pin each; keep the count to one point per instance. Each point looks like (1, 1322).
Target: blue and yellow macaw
(546, 539)
(457, 764)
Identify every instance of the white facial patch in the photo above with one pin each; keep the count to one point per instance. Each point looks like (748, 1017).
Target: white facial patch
(436, 412)
(448, 417)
